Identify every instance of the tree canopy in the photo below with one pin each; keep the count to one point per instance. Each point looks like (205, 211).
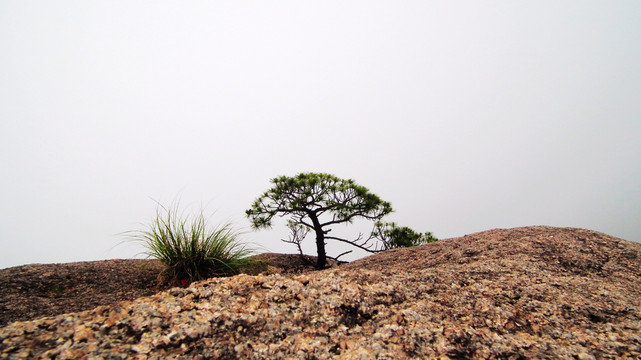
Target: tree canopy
(316, 202)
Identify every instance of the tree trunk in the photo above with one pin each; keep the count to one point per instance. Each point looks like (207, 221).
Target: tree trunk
(321, 261)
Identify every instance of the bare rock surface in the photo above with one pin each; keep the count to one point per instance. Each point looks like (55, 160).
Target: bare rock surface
(533, 292)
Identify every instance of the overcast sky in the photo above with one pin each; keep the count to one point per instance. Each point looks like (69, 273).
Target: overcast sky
(465, 115)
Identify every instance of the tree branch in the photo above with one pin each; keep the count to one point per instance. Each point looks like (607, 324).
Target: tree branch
(336, 258)
(362, 246)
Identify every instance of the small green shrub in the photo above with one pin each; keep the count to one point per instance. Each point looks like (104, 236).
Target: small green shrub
(400, 236)
(190, 249)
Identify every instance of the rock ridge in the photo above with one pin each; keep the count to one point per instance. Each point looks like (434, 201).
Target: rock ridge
(531, 292)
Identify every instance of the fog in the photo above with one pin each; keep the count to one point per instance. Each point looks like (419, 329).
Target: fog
(466, 116)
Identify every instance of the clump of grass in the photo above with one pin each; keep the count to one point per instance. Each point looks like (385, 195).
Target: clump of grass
(192, 250)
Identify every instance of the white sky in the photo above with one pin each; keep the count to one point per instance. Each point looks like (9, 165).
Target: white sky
(465, 115)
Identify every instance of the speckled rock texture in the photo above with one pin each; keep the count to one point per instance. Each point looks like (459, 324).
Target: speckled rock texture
(532, 292)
